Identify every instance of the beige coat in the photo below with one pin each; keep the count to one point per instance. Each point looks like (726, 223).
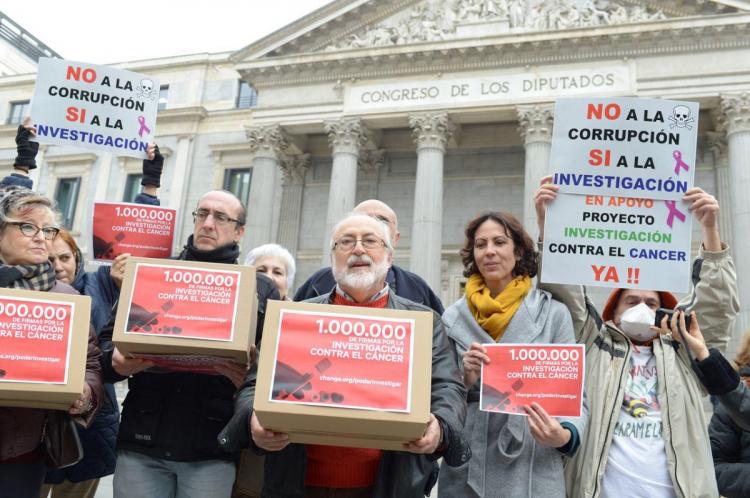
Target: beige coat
(679, 392)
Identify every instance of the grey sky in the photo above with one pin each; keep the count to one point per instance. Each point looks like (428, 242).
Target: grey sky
(105, 31)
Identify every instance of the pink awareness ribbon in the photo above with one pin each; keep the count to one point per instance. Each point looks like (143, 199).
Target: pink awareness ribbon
(144, 127)
(673, 212)
(680, 164)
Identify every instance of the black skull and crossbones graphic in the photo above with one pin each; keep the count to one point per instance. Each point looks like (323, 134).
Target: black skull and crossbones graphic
(147, 90)
(681, 118)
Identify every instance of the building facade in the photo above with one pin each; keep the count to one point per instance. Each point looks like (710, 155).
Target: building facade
(440, 108)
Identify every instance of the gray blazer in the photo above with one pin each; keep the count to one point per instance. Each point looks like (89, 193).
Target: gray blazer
(506, 460)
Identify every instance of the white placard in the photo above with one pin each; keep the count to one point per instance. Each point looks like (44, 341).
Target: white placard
(627, 147)
(617, 242)
(95, 107)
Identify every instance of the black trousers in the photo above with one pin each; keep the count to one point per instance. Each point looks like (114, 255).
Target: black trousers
(21, 480)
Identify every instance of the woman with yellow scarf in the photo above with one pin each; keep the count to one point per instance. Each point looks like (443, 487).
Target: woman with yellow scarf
(512, 455)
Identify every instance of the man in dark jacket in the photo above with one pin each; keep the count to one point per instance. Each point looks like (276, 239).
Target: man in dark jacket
(402, 282)
(361, 256)
(167, 442)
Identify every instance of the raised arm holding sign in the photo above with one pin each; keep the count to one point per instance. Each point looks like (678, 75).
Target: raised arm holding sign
(622, 338)
(95, 107)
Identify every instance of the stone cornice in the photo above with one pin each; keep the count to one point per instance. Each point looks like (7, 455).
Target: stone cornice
(82, 158)
(181, 115)
(617, 41)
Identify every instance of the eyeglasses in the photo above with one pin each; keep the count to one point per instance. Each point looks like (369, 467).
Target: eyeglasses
(348, 243)
(220, 219)
(30, 230)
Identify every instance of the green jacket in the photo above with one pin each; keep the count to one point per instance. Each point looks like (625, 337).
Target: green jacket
(679, 391)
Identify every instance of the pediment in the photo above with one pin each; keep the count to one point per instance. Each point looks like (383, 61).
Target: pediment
(346, 25)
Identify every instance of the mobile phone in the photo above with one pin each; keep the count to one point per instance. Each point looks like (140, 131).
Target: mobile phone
(661, 312)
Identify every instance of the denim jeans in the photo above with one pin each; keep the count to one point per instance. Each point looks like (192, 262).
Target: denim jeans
(141, 476)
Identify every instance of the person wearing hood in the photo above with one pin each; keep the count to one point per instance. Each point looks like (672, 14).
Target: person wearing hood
(647, 428)
(512, 455)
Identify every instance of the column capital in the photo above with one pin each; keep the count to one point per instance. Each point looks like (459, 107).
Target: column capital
(370, 161)
(294, 168)
(717, 144)
(432, 130)
(735, 113)
(266, 140)
(535, 122)
(348, 135)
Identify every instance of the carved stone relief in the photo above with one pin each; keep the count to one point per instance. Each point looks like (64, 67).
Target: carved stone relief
(435, 20)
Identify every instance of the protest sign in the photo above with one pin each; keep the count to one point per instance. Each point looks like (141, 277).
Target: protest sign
(617, 242)
(623, 166)
(43, 344)
(95, 107)
(345, 360)
(627, 147)
(138, 229)
(345, 375)
(520, 374)
(174, 308)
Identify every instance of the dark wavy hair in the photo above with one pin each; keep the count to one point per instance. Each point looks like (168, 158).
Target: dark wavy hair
(523, 245)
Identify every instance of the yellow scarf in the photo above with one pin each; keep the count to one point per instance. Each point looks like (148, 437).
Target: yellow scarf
(494, 314)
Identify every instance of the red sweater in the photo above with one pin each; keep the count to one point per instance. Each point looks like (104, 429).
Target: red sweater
(336, 466)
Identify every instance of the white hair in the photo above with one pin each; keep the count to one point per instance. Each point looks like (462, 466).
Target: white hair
(383, 226)
(276, 251)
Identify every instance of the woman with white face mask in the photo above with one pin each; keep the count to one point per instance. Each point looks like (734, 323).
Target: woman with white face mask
(647, 429)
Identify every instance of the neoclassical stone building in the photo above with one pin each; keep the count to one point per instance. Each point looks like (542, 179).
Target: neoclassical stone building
(441, 108)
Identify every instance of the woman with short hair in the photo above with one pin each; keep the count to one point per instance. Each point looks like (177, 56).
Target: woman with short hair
(512, 455)
(27, 226)
(277, 263)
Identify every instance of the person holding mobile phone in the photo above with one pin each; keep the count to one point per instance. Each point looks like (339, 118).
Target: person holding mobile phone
(647, 429)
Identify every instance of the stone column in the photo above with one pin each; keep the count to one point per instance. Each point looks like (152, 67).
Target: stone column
(536, 130)
(736, 110)
(717, 143)
(431, 133)
(294, 168)
(346, 137)
(36, 174)
(179, 187)
(102, 180)
(370, 162)
(266, 146)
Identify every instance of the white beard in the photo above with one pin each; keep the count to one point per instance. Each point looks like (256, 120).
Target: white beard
(360, 279)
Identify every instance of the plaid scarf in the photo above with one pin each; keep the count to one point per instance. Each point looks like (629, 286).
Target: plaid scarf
(39, 277)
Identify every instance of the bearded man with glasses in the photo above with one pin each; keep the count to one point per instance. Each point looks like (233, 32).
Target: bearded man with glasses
(361, 255)
(167, 445)
(401, 281)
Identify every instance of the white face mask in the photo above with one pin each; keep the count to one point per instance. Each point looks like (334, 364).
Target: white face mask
(636, 322)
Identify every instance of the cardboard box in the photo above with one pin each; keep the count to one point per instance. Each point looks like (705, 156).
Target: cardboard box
(44, 340)
(187, 309)
(341, 375)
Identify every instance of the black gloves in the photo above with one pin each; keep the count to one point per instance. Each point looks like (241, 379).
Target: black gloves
(26, 149)
(152, 170)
